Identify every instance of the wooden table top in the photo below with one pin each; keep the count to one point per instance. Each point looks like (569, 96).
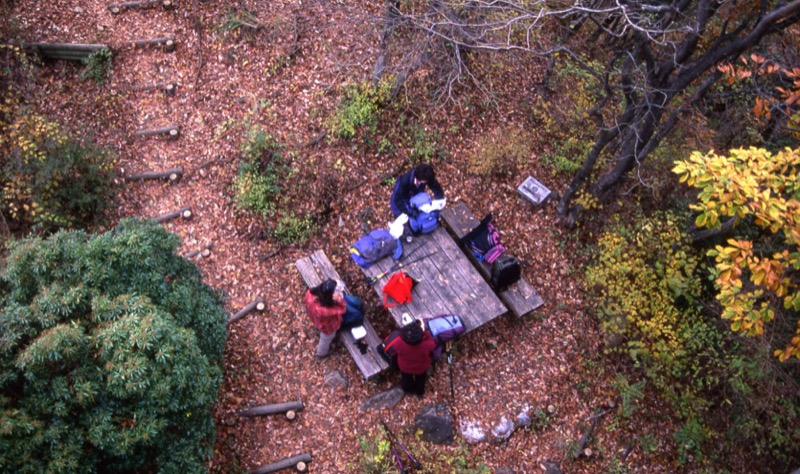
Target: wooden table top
(448, 282)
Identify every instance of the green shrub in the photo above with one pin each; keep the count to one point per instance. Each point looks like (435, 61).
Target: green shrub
(240, 18)
(425, 146)
(501, 152)
(52, 179)
(376, 455)
(110, 355)
(377, 458)
(96, 66)
(630, 394)
(259, 178)
(566, 132)
(690, 439)
(292, 229)
(358, 110)
(646, 286)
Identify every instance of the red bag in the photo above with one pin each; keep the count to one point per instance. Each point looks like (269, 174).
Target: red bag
(398, 288)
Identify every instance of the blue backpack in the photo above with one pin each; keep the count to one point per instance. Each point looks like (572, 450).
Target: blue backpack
(354, 315)
(422, 222)
(374, 246)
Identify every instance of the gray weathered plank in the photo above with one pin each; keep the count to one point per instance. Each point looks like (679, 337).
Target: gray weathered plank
(314, 269)
(449, 282)
(520, 297)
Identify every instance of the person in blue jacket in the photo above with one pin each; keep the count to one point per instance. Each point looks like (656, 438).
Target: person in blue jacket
(412, 183)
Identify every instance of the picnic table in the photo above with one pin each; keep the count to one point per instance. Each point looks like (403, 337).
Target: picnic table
(448, 282)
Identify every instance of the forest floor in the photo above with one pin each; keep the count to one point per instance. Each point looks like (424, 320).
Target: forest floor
(229, 81)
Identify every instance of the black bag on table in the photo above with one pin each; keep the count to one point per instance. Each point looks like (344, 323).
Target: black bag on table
(505, 272)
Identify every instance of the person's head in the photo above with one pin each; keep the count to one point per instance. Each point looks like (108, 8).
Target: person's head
(412, 333)
(324, 292)
(424, 174)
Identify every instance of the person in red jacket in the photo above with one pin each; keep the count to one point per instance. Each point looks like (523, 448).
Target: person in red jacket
(414, 357)
(325, 307)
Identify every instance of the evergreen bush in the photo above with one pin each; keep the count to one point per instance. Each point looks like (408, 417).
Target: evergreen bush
(110, 354)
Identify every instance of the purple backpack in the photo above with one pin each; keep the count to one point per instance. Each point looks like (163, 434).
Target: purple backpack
(374, 246)
(484, 241)
(444, 328)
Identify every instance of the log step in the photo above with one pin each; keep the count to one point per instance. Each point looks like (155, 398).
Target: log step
(65, 51)
(299, 462)
(172, 132)
(117, 8)
(172, 174)
(258, 304)
(168, 42)
(185, 212)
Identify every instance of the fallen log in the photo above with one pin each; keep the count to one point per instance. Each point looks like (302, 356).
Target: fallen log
(185, 212)
(581, 449)
(65, 51)
(203, 253)
(257, 304)
(299, 462)
(118, 7)
(172, 132)
(286, 407)
(168, 42)
(172, 174)
(168, 88)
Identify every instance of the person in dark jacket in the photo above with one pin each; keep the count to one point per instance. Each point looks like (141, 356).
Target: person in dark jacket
(414, 357)
(325, 307)
(412, 183)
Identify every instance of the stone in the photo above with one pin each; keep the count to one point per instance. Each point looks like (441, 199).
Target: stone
(524, 418)
(503, 430)
(436, 423)
(335, 380)
(504, 470)
(386, 399)
(472, 432)
(551, 467)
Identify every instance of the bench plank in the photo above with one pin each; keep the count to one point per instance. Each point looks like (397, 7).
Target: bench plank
(314, 269)
(520, 297)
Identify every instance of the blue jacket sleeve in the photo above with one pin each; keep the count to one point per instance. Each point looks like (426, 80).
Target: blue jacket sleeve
(436, 189)
(399, 200)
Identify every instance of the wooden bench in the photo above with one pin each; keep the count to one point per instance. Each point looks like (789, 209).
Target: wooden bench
(520, 297)
(315, 269)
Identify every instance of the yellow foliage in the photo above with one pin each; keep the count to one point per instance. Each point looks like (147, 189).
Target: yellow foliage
(751, 183)
(502, 151)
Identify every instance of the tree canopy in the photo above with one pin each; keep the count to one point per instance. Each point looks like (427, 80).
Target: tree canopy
(110, 351)
(654, 60)
(755, 273)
